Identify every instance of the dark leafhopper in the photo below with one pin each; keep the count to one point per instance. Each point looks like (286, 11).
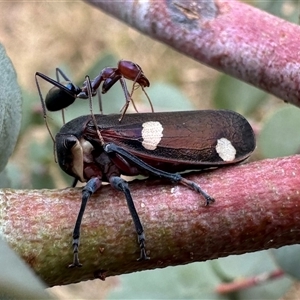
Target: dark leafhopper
(100, 149)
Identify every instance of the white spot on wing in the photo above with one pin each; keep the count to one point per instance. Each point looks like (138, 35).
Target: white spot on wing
(225, 149)
(152, 134)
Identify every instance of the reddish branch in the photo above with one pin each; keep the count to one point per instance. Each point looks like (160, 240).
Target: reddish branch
(257, 207)
(246, 283)
(230, 36)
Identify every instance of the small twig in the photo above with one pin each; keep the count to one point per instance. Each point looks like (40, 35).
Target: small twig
(245, 283)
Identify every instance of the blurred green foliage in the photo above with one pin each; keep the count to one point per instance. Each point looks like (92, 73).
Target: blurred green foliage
(199, 280)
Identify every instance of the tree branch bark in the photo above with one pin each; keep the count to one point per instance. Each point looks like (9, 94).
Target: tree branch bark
(229, 36)
(257, 207)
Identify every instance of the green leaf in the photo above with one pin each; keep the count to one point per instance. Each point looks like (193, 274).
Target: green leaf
(280, 134)
(31, 114)
(284, 9)
(10, 108)
(166, 97)
(41, 156)
(193, 281)
(237, 95)
(17, 281)
(14, 176)
(4, 179)
(287, 259)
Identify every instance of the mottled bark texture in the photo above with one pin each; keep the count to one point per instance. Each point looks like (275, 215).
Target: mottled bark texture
(230, 36)
(257, 207)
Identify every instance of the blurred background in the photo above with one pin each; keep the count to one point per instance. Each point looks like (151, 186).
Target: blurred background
(81, 40)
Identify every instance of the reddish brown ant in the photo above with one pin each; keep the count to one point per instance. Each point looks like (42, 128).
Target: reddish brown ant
(125, 70)
(64, 94)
